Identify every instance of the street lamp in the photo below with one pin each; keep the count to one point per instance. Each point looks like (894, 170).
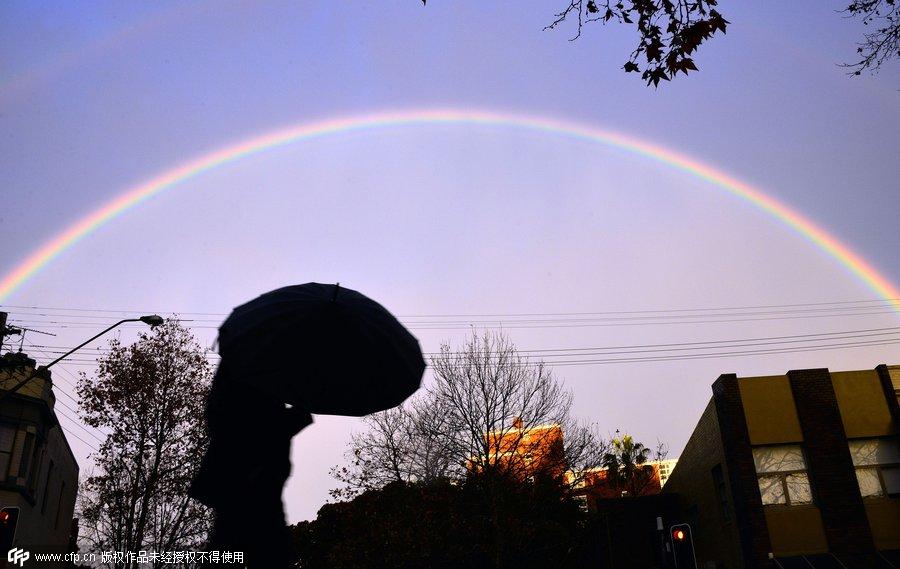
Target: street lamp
(152, 320)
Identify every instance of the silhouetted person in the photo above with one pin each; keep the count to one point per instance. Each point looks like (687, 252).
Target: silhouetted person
(243, 473)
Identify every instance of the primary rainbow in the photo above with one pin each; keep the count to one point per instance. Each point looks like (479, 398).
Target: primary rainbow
(306, 131)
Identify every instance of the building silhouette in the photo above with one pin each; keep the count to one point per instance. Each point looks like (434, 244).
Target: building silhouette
(38, 472)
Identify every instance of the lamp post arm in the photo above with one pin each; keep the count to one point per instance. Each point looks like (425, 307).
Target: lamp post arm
(35, 371)
(88, 341)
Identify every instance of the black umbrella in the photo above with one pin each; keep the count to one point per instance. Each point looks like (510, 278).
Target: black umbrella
(327, 349)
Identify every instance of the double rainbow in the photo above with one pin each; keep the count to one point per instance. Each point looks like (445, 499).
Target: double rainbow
(305, 131)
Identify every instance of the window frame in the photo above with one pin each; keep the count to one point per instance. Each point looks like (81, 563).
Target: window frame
(782, 476)
(4, 475)
(878, 468)
(782, 479)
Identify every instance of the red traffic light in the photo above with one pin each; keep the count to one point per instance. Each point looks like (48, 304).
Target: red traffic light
(678, 534)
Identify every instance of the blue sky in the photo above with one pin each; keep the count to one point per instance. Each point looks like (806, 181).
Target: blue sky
(449, 219)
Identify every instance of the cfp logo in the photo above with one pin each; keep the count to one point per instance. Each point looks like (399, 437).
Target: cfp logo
(18, 556)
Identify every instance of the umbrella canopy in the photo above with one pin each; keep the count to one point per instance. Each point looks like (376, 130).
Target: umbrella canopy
(324, 348)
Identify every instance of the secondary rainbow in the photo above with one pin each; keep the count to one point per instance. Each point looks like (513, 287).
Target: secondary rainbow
(306, 131)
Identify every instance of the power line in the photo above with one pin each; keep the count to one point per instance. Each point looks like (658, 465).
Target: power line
(49, 357)
(77, 424)
(677, 357)
(642, 348)
(887, 301)
(518, 324)
(530, 317)
(89, 445)
(63, 403)
(724, 354)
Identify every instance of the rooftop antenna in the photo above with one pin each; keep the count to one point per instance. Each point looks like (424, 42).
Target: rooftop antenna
(7, 330)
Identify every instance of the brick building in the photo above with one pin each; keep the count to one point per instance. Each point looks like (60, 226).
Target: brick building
(795, 470)
(525, 451)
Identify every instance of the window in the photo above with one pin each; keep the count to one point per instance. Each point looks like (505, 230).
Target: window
(7, 438)
(781, 471)
(27, 451)
(47, 487)
(59, 504)
(582, 502)
(877, 463)
(721, 491)
(37, 459)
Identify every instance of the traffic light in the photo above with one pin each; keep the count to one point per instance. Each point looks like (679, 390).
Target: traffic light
(683, 546)
(9, 519)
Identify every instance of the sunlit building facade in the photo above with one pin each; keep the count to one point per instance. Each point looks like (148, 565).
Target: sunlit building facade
(524, 452)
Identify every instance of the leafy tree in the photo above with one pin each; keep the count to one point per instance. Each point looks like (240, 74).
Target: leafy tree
(628, 465)
(147, 397)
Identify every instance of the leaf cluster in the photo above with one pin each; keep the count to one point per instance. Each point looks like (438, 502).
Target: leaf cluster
(627, 466)
(670, 31)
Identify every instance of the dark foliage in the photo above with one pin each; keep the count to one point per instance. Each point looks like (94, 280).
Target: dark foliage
(882, 41)
(442, 524)
(670, 31)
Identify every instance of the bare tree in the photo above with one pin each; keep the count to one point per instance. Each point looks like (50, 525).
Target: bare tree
(380, 455)
(506, 414)
(489, 410)
(493, 421)
(147, 396)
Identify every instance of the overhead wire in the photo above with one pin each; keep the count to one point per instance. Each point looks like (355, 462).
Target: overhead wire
(77, 422)
(523, 325)
(886, 301)
(738, 342)
(676, 357)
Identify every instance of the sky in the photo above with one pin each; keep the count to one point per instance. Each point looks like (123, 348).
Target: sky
(450, 218)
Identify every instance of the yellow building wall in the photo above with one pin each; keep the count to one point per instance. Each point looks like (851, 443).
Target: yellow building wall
(770, 410)
(884, 519)
(894, 374)
(864, 410)
(797, 530)
(36, 386)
